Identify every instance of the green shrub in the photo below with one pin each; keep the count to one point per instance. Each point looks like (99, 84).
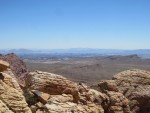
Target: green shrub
(31, 99)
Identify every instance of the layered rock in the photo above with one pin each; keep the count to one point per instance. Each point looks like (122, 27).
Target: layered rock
(10, 79)
(4, 108)
(135, 85)
(11, 97)
(3, 65)
(17, 66)
(107, 99)
(52, 84)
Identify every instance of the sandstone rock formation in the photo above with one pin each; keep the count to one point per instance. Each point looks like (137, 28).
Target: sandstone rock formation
(61, 95)
(11, 97)
(52, 84)
(17, 66)
(3, 65)
(115, 102)
(135, 85)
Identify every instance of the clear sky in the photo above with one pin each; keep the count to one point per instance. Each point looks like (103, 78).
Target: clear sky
(52, 24)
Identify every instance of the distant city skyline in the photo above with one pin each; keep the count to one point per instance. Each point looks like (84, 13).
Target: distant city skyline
(63, 24)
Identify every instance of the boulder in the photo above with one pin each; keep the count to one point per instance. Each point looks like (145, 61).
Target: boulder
(114, 102)
(109, 85)
(135, 85)
(52, 84)
(11, 95)
(117, 103)
(3, 65)
(42, 97)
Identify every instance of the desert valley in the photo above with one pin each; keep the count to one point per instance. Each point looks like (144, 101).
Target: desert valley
(101, 84)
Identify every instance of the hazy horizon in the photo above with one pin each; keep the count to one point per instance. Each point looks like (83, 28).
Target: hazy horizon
(69, 49)
(64, 24)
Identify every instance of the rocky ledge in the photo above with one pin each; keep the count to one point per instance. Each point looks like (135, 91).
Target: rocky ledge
(128, 92)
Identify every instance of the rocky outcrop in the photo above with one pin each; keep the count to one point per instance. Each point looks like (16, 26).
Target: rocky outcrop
(17, 66)
(57, 94)
(115, 102)
(52, 84)
(135, 85)
(3, 65)
(11, 97)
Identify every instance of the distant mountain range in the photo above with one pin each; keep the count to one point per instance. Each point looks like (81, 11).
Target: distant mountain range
(140, 52)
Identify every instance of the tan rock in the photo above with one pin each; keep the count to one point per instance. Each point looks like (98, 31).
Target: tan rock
(64, 104)
(61, 98)
(135, 85)
(33, 108)
(82, 88)
(40, 111)
(115, 102)
(109, 85)
(4, 108)
(39, 105)
(70, 107)
(11, 96)
(52, 84)
(3, 65)
(96, 96)
(42, 97)
(118, 102)
(9, 79)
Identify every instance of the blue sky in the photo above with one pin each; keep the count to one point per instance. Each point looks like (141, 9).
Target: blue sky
(53, 24)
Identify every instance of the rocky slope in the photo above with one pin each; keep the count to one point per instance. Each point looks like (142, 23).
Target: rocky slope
(128, 92)
(17, 66)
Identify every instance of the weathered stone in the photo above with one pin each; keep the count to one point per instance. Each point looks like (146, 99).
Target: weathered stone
(82, 88)
(52, 84)
(11, 96)
(109, 85)
(96, 96)
(115, 102)
(10, 79)
(42, 97)
(33, 108)
(3, 65)
(135, 85)
(118, 103)
(4, 108)
(70, 107)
